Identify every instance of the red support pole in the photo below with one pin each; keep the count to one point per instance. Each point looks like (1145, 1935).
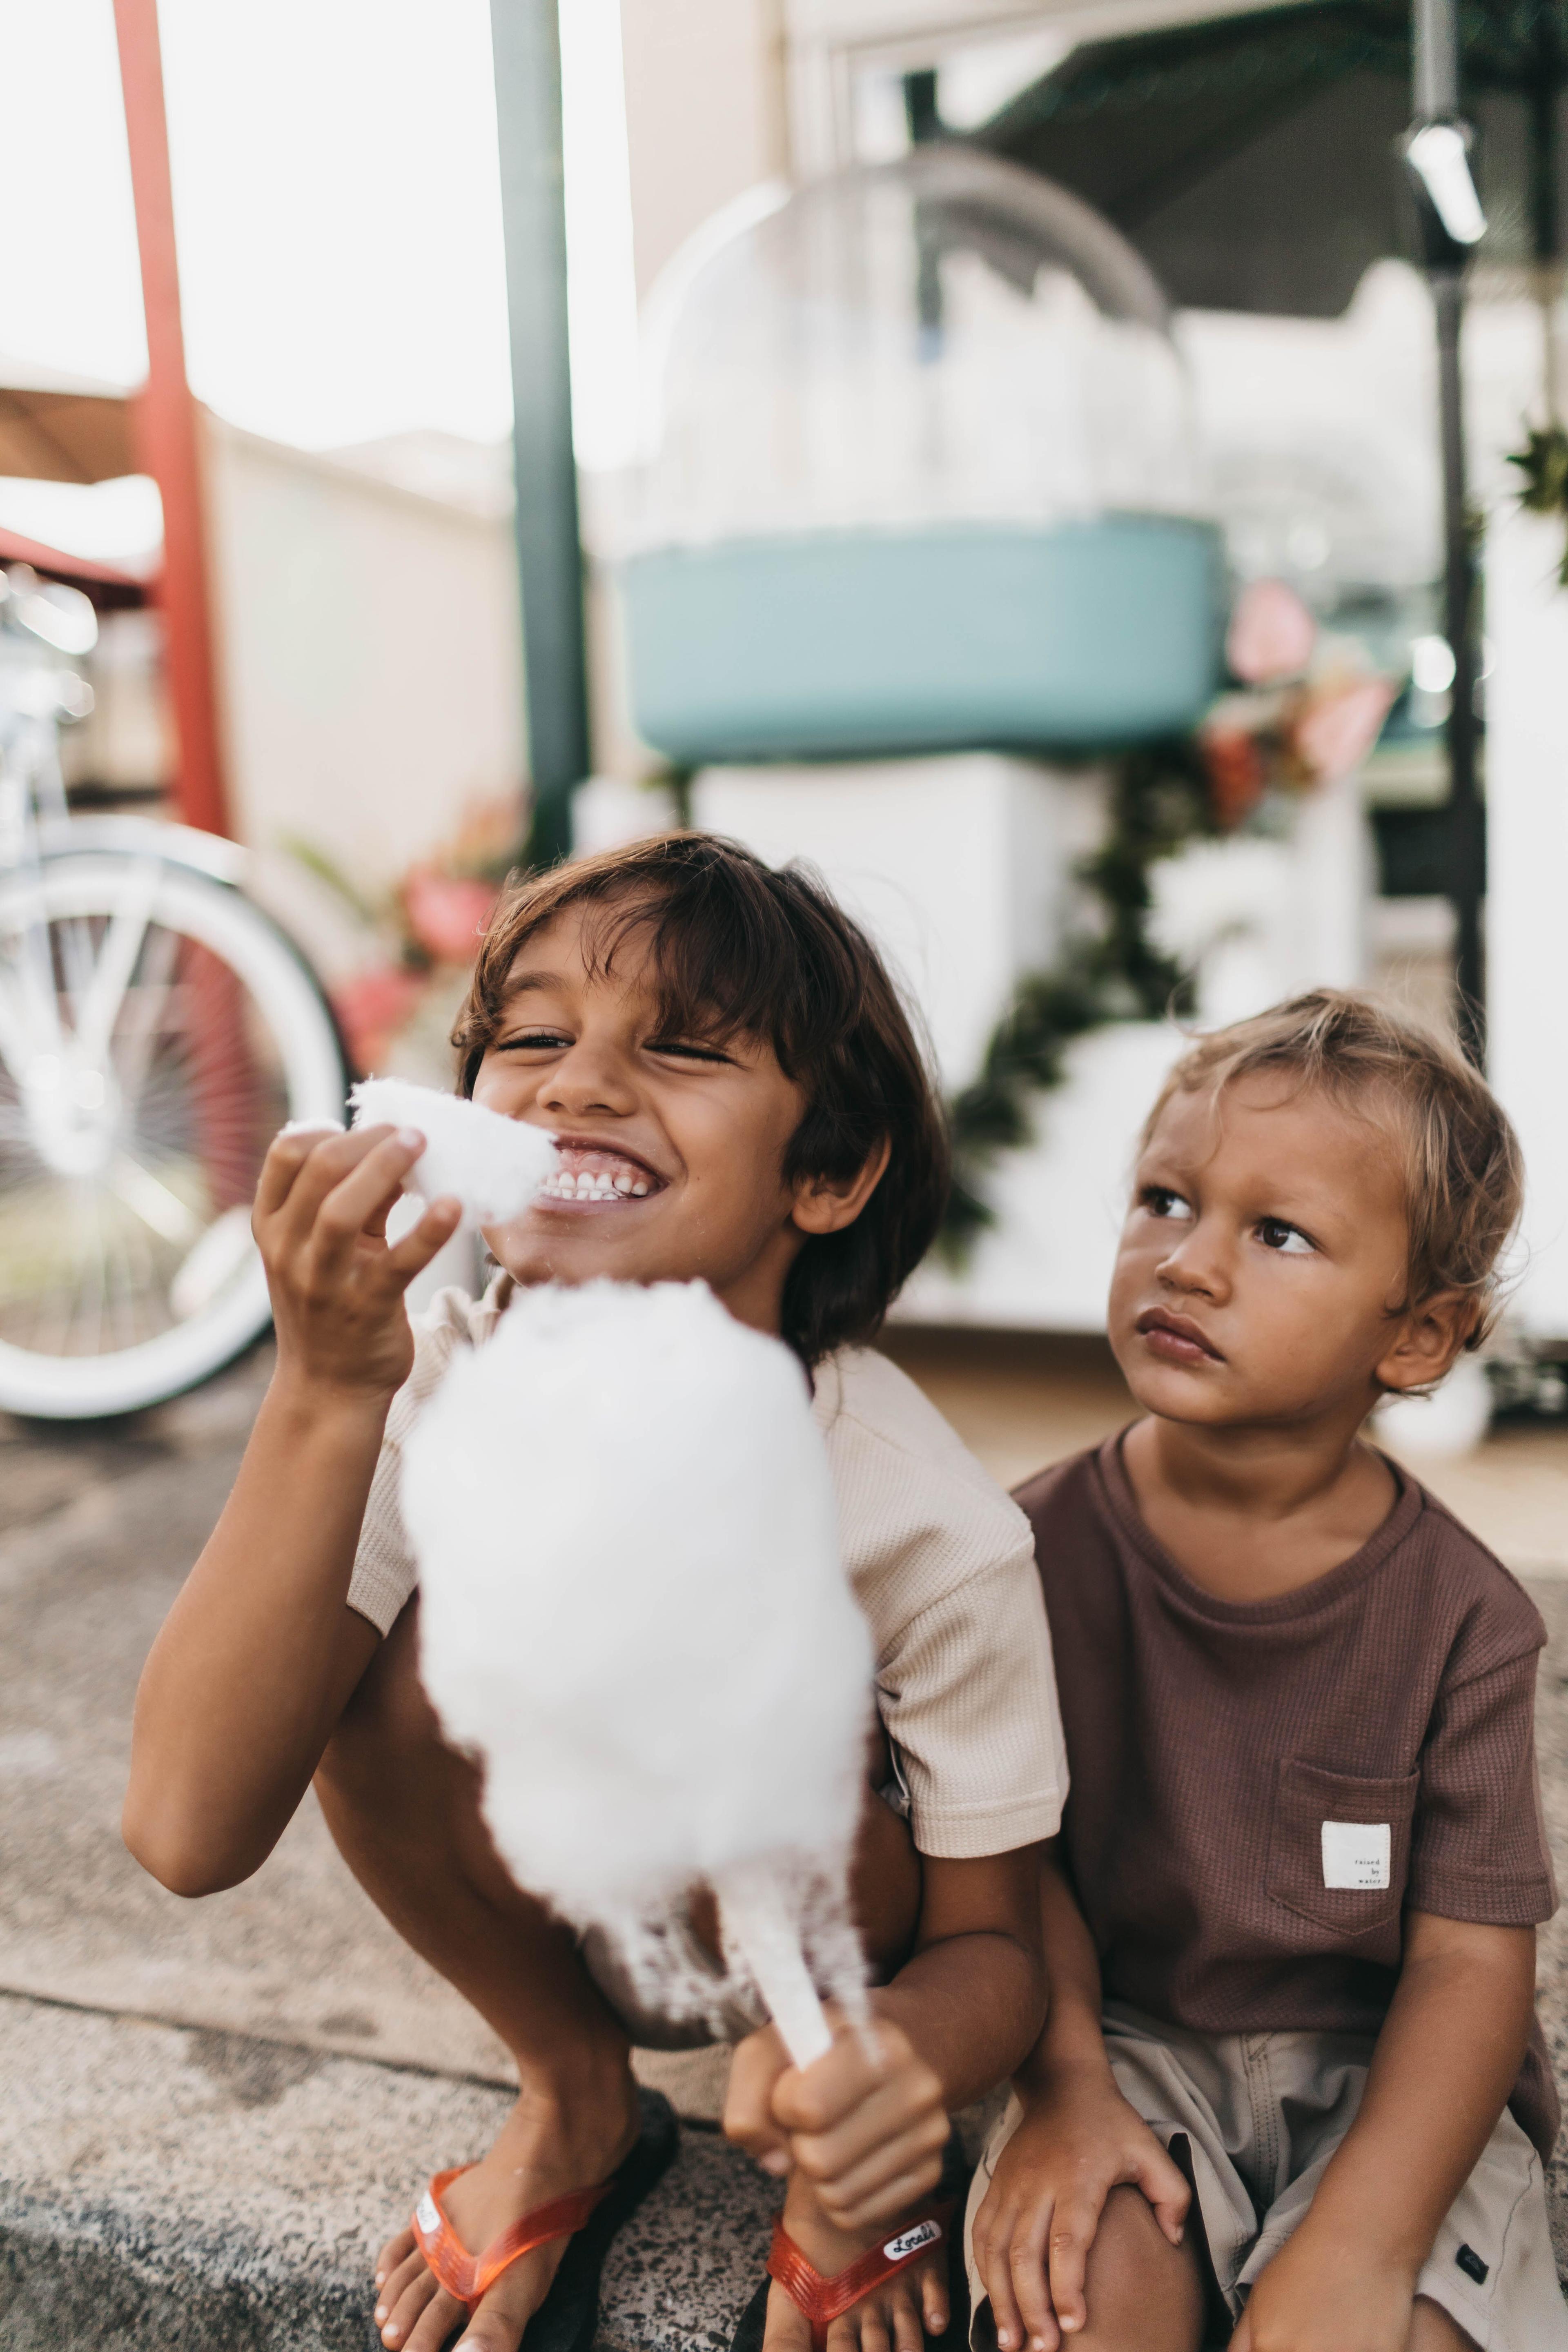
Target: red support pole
(167, 427)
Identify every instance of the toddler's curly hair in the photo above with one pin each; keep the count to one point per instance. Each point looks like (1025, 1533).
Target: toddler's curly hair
(1464, 1175)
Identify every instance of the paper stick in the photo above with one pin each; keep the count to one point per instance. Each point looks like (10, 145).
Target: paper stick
(758, 1920)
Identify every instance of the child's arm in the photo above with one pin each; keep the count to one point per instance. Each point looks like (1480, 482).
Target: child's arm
(1446, 2061)
(957, 2016)
(261, 1651)
(1078, 2141)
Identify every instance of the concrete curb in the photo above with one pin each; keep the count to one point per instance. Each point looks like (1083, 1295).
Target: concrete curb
(96, 2276)
(164, 2188)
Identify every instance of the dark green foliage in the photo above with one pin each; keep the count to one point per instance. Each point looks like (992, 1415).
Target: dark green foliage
(1159, 802)
(1543, 462)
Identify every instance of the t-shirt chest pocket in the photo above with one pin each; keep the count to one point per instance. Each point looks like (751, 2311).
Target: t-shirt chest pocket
(1339, 1849)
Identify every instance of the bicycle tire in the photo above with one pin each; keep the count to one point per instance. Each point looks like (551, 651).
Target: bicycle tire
(259, 1046)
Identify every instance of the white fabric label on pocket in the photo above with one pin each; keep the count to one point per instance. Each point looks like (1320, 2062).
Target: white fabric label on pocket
(1355, 1853)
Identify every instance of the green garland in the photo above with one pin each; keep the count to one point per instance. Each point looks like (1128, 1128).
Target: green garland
(1160, 801)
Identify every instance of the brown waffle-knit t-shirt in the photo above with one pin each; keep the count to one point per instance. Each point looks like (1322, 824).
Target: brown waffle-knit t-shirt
(1258, 1791)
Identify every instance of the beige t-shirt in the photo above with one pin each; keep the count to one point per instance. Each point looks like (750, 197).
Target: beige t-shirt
(942, 1562)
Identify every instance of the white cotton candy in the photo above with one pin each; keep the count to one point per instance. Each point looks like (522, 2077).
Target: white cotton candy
(634, 1610)
(493, 1165)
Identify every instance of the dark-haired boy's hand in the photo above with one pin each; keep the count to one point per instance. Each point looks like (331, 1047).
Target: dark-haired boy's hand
(336, 1283)
(866, 2124)
(860, 2134)
(1078, 2140)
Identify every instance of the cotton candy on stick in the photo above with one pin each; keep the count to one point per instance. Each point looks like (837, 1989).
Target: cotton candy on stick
(493, 1165)
(634, 1611)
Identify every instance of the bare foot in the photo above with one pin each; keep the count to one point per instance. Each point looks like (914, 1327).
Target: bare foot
(543, 2153)
(896, 2318)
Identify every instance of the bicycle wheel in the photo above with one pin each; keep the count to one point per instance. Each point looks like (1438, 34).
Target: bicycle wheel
(155, 1032)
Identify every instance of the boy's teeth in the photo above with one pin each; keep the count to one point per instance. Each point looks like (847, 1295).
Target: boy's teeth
(595, 1184)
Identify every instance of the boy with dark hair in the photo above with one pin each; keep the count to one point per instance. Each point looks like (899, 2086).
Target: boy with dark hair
(736, 1096)
(1290, 1922)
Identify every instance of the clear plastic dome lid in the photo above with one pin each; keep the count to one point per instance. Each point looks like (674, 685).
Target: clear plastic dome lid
(947, 338)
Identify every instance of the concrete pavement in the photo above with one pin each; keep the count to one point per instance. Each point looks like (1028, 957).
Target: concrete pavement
(184, 2191)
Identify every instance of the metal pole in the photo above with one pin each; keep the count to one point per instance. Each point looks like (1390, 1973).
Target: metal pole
(1436, 98)
(167, 428)
(1436, 61)
(1467, 816)
(526, 37)
(1545, 240)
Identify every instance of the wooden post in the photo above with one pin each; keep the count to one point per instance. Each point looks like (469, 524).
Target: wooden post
(167, 428)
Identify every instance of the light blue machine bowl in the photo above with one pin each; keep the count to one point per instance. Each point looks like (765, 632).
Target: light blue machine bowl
(919, 472)
(1077, 635)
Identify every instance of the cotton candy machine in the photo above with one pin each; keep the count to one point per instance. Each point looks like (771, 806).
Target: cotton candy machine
(919, 472)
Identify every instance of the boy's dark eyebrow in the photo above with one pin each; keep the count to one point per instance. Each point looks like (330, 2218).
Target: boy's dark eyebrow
(1159, 1173)
(525, 983)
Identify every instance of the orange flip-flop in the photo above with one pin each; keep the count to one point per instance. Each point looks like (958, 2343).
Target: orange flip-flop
(823, 2300)
(566, 2319)
(469, 2276)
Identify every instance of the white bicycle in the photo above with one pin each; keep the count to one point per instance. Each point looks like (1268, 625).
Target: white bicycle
(156, 1029)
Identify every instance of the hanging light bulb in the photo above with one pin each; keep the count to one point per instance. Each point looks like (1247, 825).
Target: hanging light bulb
(1439, 156)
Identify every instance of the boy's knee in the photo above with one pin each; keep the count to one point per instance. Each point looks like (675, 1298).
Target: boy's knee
(1127, 2235)
(885, 1886)
(387, 1746)
(1141, 2291)
(1432, 2329)
(389, 1714)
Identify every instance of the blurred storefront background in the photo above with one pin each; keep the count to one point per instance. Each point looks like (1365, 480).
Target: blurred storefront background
(955, 515)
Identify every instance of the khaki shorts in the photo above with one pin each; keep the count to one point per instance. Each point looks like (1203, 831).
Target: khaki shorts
(1261, 2115)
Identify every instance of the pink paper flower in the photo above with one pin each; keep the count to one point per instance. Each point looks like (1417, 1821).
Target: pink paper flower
(1232, 758)
(372, 1007)
(1271, 634)
(447, 915)
(1338, 724)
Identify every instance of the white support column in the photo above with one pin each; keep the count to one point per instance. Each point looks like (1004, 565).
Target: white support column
(959, 865)
(1527, 889)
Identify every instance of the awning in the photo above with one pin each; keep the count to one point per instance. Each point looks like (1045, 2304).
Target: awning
(108, 587)
(56, 429)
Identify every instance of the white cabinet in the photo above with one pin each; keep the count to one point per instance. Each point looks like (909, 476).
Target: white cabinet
(1527, 887)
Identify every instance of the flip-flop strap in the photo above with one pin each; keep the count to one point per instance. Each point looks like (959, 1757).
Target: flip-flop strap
(823, 2300)
(468, 2276)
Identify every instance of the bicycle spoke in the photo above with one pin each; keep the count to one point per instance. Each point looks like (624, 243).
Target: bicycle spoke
(144, 1011)
(152, 1202)
(99, 1010)
(17, 1027)
(134, 1279)
(95, 1266)
(35, 1001)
